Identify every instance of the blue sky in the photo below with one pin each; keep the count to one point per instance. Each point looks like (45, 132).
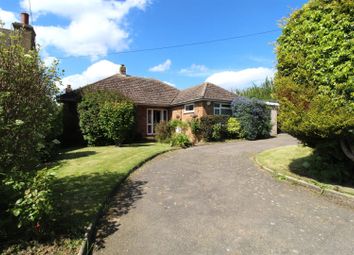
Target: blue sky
(88, 36)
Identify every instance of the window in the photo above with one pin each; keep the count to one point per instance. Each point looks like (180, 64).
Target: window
(222, 109)
(188, 108)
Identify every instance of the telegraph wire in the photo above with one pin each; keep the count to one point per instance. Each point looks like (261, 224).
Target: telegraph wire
(187, 44)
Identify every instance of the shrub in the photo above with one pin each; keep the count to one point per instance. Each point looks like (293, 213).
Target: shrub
(315, 73)
(33, 206)
(254, 118)
(216, 134)
(207, 127)
(180, 139)
(194, 124)
(164, 132)
(93, 130)
(233, 127)
(117, 121)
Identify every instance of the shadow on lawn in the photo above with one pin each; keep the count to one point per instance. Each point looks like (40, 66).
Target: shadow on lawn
(122, 202)
(75, 155)
(80, 198)
(313, 167)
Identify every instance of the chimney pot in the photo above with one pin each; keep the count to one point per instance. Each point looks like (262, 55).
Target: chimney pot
(68, 89)
(122, 69)
(24, 18)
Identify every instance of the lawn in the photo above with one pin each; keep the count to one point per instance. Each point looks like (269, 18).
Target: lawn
(297, 161)
(84, 177)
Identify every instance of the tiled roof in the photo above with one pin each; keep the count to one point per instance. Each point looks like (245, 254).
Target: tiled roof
(144, 91)
(204, 91)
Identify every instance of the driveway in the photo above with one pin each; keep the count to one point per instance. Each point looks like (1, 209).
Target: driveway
(212, 199)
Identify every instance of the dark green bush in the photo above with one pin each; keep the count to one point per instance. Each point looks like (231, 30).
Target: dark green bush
(164, 131)
(89, 115)
(315, 73)
(209, 132)
(117, 121)
(181, 140)
(254, 117)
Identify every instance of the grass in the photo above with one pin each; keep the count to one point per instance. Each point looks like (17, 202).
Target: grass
(84, 177)
(297, 161)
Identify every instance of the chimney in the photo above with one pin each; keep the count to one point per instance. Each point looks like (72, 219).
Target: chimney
(123, 70)
(68, 89)
(27, 31)
(24, 18)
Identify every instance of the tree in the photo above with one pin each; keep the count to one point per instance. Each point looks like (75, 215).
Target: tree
(28, 112)
(263, 92)
(315, 74)
(27, 105)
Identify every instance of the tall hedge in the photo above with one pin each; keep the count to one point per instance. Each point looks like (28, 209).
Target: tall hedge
(254, 118)
(105, 117)
(315, 73)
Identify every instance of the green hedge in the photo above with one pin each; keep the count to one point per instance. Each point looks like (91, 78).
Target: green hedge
(105, 117)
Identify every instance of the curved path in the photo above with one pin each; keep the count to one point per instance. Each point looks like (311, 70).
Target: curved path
(213, 200)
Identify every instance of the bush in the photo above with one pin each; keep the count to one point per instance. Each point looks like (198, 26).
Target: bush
(96, 132)
(181, 140)
(164, 132)
(315, 73)
(233, 127)
(117, 121)
(32, 209)
(254, 118)
(209, 132)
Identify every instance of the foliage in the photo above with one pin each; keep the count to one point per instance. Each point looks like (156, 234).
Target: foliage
(34, 209)
(254, 118)
(315, 78)
(117, 120)
(180, 139)
(233, 127)
(89, 115)
(194, 124)
(217, 132)
(209, 132)
(27, 107)
(179, 124)
(164, 132)
(264, 92)
(27, 133)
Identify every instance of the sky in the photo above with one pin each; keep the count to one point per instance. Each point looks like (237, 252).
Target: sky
(92, 38)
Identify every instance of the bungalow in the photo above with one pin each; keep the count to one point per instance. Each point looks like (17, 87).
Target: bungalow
(155, 101)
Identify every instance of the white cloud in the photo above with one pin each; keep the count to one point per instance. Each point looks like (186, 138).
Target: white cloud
(195, 70)
(95, 72)
(169, 83)
(49, 60)
(162, 67)
(95, 26)
(240, 79)
(7, 17)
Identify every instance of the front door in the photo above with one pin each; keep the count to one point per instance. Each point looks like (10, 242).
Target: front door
(155, 116)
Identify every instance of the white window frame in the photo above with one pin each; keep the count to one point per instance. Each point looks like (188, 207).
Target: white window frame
(220, 107)
(150, 122)
(188, 111)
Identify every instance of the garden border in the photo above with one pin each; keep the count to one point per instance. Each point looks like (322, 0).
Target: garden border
(332, 194)
(88, 242)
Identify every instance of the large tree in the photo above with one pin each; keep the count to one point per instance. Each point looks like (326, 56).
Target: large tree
(315, 74)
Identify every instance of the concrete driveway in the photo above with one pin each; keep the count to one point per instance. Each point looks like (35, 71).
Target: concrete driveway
(213, 200)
